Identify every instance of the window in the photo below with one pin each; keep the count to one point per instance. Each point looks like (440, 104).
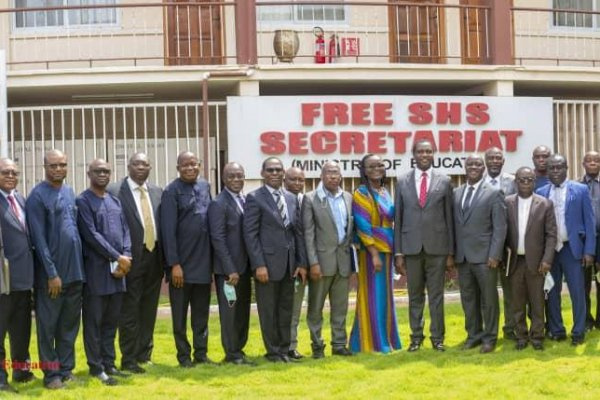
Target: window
(64, 17)
(576, 20)
(302, 13)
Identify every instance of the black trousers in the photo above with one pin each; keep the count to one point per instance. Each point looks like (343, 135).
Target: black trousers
(100, 318)
(274, 301)
(197, 297)
(234, 319)
(138, 312)
(589, 275)
(57, 321)
(15, 319)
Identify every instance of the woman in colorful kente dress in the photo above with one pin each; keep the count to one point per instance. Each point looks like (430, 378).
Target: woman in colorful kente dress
(375, 327)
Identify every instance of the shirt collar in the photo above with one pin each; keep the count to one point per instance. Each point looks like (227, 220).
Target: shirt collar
(134, 186)
(322, 192)
(233, 194)
(419, 173)
(476, 186)
(5, 194)
(489, 179)
(273, 190)
(589, 179)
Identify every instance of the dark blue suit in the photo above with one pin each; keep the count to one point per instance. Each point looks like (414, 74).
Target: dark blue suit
(15, 307)
(281, 249)
(105, 237)
(52, 221)
(581, 232)
(225, 220)
(184, 225)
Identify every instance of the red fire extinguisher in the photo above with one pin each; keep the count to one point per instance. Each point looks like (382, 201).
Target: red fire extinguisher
(319, 45)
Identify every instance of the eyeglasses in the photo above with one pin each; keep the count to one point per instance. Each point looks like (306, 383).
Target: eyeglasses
(9, 172)
(101, 171)
(525, 180)
(273, 170)
(56, 166)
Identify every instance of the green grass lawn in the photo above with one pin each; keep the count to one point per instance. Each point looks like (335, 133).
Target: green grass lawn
(561, 371)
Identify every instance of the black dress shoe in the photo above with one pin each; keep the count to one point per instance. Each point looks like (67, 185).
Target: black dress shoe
(589, 325)
(106, 380)
(539, 346)
(112, 371)
(487, 348)
(274, 358)
(557, 338)
(186, 364)
(318, 353)
(287, 359)
(470, 345)
(510, 335)
(576, 340)
(5, 387)
(521, 345)
(295, 355)
(133, 368)
(204, 360)
(414, 346)
(438, 346)
(23, 377)
(341, 351)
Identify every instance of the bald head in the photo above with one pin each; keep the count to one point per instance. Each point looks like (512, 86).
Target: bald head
(99, 173)
(233, 177)
(494, 161)
(540, 158)
(9, 175)
(591, 164)
(55, 167)
(331, 176)
(294, 180)
(474, 168)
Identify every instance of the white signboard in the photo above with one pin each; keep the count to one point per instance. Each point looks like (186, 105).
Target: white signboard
(306, 131)
(3, 107)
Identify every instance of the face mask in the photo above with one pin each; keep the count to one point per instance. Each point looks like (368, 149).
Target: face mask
(230, 295)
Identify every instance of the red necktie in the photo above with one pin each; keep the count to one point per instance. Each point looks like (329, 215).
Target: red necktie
(423, 191)
(14, 208)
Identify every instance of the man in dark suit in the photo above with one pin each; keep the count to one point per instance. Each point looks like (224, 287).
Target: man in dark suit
(328, 233)
(274, 241)
(531, 239)
(575, 247)
(494, 161)
(184, 225)
(140, 201)
(59, 276)
(16, 259)
(293, 182)
(232, 266)
(591, 164)
(424, 242)
(480, 230)
(107, 259)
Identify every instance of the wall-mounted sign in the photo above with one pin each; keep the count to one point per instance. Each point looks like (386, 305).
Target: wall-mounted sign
(305, 131)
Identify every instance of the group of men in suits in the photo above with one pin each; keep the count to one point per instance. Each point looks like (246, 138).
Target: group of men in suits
(97, 259)
(103, 253)
(495, 226)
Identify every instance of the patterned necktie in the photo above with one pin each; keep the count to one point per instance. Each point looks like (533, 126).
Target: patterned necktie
(423, 191)
(493, 182)
(281, 208)
(149, 239)
(15, 209)
(241, 201)
(467, 202)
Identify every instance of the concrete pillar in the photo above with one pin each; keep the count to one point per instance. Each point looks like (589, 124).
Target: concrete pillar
(499, 88)
(245, 32)
(500, 32)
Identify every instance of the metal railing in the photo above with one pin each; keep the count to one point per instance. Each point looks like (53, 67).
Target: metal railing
(559, 37)
(126, 33)
(374, 31)
(113, 132)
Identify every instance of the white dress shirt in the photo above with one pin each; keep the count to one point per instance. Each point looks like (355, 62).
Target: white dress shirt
(138, 202)
(475, 189)
(419, 178)
(523, 217)
(558, 195)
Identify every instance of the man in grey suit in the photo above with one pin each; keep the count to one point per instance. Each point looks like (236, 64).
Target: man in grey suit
(424, 242)
(328, 223)
(494, 161)
(140, 202)
(232, 265)
(480, 230)
(275, 245)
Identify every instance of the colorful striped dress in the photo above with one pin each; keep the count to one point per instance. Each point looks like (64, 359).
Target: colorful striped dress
(375, 327)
